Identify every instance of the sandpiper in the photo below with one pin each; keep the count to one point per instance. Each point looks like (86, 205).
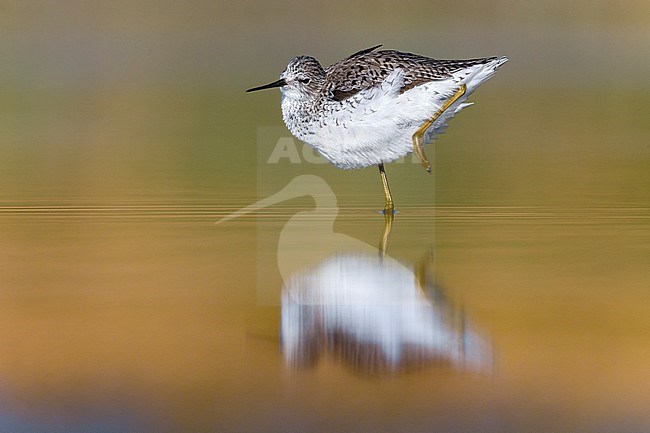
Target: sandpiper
(374, 107)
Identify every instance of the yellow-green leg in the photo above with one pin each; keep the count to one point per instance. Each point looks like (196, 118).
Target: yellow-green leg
(418, 137)
(388, 225)
(389, 207)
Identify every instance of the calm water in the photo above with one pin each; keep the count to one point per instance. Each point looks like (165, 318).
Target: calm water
(513, 297)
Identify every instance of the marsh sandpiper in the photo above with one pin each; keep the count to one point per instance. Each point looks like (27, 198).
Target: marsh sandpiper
(374, 107)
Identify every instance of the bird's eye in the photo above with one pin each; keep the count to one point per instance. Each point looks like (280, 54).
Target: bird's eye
(304, 80)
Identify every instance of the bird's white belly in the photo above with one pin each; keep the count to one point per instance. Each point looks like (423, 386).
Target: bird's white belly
(358, 133)
(359, 144)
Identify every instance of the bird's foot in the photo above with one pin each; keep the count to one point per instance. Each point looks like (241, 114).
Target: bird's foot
(389, 215)
(418, 142)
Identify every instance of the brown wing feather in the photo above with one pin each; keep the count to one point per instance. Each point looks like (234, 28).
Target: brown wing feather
(368, 68)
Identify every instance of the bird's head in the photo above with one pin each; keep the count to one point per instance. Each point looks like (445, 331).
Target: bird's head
(302, 78)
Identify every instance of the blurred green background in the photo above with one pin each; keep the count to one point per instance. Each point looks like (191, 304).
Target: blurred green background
(125, 133)
(113, 100)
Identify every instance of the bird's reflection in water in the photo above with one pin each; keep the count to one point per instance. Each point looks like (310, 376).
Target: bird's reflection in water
(375, 316)
(361, 307)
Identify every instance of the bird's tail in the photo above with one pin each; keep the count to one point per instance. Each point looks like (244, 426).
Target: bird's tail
(482, 73)
(473, 76)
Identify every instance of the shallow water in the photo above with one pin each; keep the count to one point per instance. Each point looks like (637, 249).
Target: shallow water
(149, 317)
